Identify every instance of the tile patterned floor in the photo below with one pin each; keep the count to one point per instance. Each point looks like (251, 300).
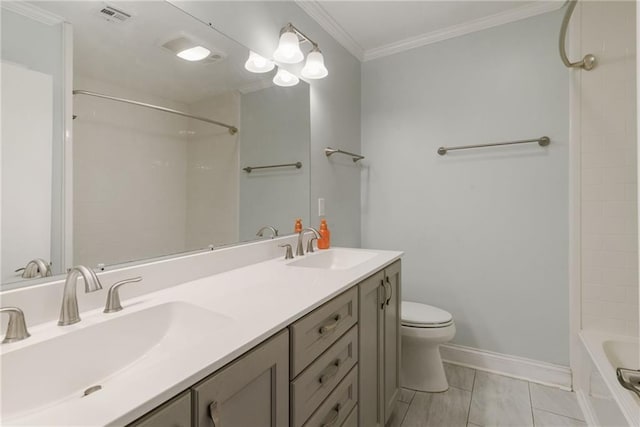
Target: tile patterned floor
(479, 399)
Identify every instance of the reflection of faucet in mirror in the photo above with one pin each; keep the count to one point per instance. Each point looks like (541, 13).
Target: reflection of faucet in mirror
(299, 249)
(35, 268)
(69, 311)
(222, 205)
(274, 231)
(17, 328)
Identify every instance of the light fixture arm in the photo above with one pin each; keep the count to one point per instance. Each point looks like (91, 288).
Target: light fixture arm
(292, 28)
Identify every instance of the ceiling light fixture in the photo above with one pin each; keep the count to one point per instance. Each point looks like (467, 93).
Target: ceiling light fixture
(187, 49)
(258, 64)
(288, 50)
(285, 78)
(314, 67)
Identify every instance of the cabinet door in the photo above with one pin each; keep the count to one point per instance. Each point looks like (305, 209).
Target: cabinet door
(251, 391)
(370, 337)
(175, 413)
(392, 338)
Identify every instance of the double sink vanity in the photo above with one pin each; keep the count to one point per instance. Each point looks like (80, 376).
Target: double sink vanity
(312, 341)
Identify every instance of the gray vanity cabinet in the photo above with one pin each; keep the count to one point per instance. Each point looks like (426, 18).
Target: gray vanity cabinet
(379, 342)
(174, 413)
(337, 366)
(251, 391)
(392, 338)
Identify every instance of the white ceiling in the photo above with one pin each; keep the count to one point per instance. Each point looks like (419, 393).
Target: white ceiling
(129, 54)
(371, 29)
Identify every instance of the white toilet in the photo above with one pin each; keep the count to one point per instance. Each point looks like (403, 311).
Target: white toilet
(424, 328)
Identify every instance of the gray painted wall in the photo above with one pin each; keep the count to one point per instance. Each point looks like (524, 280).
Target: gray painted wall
(335, 102)
(485, 231)
(275, 130)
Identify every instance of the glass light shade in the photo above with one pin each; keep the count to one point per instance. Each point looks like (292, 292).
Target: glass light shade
(258, 64)
(288, 50)
(314, 67)
(285, 78)
(197, 53)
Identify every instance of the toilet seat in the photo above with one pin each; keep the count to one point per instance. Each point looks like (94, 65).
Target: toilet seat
(417, 315)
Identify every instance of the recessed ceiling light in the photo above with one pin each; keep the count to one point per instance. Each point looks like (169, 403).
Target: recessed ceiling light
(187, 49)
(196, 53)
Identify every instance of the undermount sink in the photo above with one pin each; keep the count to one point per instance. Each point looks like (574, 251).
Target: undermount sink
(62, 368)
(334, 259)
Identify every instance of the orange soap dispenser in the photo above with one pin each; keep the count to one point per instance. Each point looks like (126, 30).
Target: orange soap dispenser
(324, 242)
(298, 226)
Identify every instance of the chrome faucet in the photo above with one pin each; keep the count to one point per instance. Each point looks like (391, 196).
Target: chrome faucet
(113, 296)
(35, 268)
(274, 231)
(69, 311)
(299, 249)
(17, 328)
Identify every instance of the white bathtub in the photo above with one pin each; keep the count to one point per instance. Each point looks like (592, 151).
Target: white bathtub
(604, 401)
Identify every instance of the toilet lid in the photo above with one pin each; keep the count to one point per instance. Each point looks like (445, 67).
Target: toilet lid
(417, 314)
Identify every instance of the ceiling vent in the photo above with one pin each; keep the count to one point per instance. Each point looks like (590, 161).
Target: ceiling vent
(112, 14)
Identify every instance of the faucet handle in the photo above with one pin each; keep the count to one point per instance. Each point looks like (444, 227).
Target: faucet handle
(17, 327)
(289, 253)
(113, 296)
(310, 244)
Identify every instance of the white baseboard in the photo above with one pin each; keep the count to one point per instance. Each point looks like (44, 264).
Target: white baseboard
(510, 366)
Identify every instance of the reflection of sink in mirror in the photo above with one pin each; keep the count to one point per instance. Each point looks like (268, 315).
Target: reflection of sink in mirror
(334, 259)
(62, 368)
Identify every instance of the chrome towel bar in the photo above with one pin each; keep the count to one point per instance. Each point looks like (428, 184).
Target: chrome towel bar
(330, 151)
(232, 129)
(542, 141)
(248, 169)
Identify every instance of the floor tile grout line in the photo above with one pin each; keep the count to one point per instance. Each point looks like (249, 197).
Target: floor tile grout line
(473, 387)
(533, 419)
(405, 413)
(560, 415)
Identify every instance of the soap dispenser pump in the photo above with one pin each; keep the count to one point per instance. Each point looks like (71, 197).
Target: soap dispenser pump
(324, 242)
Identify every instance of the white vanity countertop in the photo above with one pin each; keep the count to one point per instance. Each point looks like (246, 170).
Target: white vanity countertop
(257, 301)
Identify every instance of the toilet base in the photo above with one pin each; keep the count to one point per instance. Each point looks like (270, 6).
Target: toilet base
(422, 367)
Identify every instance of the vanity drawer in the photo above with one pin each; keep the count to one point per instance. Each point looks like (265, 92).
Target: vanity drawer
(314, 333)
(352, 419)
(313, 385)
(339, 404)
(174, 413)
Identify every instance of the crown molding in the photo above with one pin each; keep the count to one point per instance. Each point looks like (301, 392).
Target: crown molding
(506, 17)
(315, 10)
(31, 11)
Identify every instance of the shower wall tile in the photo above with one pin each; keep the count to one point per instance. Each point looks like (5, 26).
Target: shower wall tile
(609, 169)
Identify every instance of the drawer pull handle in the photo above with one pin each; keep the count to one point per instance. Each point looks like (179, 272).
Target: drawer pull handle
(391, 288)
(329, 372)
(330, 326)
(332, 418)
(214, 413)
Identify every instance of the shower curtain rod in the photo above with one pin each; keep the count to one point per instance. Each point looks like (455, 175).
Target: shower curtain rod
(589, 61)
(232, 129)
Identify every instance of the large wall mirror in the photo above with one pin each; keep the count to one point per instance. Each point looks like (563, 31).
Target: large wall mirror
(131, 182)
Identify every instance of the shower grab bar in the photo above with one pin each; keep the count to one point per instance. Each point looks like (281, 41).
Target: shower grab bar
(232, 129)
(248, 169)
(330, 151)
(542, 141)
(589, 61)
